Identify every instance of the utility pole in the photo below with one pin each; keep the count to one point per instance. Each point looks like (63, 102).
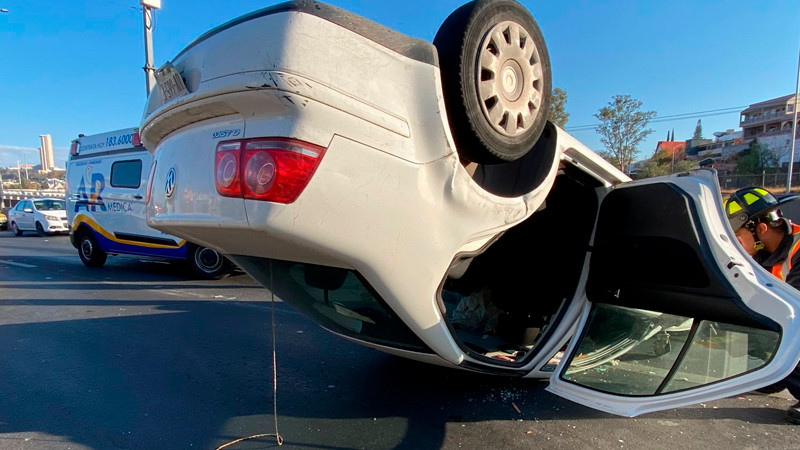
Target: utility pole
(19, 175)
(2, 194)
(794, 128)
(147, 18)
(672, 167)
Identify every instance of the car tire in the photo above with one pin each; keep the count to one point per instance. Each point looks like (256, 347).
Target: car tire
(90, 252)
(208, 263)
(40, 230)
(773, 388)
(496, 88)
(15, 229)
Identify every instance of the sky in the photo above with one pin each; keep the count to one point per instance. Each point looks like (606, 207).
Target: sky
(71, 67)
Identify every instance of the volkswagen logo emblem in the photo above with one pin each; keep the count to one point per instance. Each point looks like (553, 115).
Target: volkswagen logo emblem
(169, 186)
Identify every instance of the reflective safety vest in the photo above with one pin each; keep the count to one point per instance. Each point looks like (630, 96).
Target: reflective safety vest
(780, 269)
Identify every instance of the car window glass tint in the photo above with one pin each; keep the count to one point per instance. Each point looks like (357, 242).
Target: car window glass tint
(339, 300)
(636, 352)
(49, 205)
(621, 352)
(720, 351)
(126, 174)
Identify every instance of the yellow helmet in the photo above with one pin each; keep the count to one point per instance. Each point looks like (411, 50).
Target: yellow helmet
(750, 203)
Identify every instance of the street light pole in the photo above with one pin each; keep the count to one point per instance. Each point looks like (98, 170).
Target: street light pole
(147, 19)
(794, 127)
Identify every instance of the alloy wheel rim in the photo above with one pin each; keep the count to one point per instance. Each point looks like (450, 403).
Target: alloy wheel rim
(509, 79)
(87, 248)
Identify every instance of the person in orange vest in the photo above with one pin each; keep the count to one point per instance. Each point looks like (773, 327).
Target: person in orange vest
(773, 241)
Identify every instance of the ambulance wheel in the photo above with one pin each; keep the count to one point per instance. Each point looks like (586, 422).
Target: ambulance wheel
(496, 80)
(207, 263)
(90, 252)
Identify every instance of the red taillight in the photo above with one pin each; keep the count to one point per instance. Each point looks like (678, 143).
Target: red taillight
(259, 173)
(73, 149)
(226, 169)
(268, 169)
(136, 140)
(150, 181)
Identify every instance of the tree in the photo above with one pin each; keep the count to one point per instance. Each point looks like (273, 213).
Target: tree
(622, 127)
(30, 184)
(756, 158)
(683, 166)
(558, 112)
(698, 130)
(664, 163)
(652, 168)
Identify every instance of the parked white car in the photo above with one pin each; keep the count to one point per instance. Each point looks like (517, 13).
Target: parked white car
(42, 215)
(412, 198)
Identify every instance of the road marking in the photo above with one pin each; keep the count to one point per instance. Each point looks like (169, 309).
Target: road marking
(12, 263)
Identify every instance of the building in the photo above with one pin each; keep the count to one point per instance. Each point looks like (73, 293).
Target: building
(725, 144)
(46, 152)
(768, 117)
(770, 122)
(669, 148)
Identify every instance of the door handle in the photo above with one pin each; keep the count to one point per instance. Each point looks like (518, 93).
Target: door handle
(137, 197)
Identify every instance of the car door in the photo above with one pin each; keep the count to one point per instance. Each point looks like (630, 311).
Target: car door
(124, 199)
(25, 215)
(675, 312)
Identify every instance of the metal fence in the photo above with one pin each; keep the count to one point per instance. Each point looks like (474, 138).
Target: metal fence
(774, 181)
(10, 197)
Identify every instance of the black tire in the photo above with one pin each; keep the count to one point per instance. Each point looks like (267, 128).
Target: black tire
(207, 263)
(773, 388)
(40, 230)
(15, 229)
(501, 118)
(90, 252)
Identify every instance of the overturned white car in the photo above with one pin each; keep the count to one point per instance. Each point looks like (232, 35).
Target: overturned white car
(411, 197)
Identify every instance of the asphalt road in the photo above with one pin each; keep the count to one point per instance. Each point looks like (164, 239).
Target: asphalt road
(137, 355)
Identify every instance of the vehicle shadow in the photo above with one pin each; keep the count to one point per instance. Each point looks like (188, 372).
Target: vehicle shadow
(184, 374)
(127, 269)
(181, 374)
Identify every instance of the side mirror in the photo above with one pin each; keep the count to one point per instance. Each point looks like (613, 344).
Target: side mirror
(27, 210)
(328, 278)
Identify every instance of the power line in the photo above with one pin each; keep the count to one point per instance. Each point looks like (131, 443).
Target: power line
(681, 116)
(127, 6)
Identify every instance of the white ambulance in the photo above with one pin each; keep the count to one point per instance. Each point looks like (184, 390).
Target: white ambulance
(106, 195)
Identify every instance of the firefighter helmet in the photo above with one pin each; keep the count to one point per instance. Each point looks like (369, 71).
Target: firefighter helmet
(750, 203)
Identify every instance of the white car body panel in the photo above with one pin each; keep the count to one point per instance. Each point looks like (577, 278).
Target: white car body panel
(390, 160)
(759, 290)
(390, 199)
